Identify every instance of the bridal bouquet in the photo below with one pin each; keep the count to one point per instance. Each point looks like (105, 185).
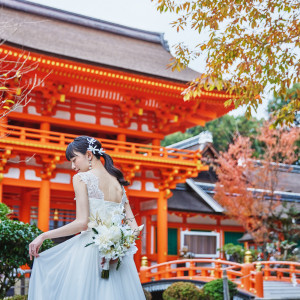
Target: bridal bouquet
(113, 236)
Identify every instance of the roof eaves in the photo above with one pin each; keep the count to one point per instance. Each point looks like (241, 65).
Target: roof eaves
(208, 199)
(70, 17)
(285, 196)
(194, 140)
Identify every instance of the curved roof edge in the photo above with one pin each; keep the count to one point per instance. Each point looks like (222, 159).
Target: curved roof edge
(66, 16)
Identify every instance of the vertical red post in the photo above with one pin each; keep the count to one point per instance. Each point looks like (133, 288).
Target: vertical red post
(44, 126)
(44, 205)
(218, 271)
(148, 235)
(259, 284)
(25, 206)
(156, 142)
(192, 271)
(246, 282)
(162, 227)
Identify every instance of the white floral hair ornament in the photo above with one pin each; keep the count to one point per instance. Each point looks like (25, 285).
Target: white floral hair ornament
(93, 148)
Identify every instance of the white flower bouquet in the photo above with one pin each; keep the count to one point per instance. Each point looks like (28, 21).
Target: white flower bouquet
(113, 236)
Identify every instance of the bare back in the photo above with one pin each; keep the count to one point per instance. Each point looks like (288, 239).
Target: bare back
(109, 185)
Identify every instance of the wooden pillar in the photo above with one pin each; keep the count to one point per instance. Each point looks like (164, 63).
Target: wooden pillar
(184, 222)
(3, 122)
(25, 206)
(148, 235)
(222, 236)
(44, 205)
(45, 126)
(156, 142)
(162, 227)
(121, 137)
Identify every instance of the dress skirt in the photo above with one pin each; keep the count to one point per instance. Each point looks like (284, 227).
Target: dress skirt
(71, 271)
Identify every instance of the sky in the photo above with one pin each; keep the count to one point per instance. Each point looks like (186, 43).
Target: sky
(140, 14)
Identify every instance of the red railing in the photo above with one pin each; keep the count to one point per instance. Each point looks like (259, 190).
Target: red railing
(244, 275)
(22, 136)
(280, 270)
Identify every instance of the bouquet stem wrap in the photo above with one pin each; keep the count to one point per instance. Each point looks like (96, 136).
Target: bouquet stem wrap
(105, 269)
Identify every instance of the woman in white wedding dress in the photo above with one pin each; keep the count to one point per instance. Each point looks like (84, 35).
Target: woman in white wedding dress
(71, 271)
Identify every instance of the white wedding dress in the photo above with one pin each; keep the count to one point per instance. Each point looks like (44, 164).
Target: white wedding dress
(71, 271)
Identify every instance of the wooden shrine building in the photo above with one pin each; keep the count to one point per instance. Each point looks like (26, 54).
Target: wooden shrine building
(103, 80)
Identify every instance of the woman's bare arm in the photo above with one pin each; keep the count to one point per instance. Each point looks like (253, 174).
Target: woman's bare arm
(131, 219)
(79, 224)
(82, 213)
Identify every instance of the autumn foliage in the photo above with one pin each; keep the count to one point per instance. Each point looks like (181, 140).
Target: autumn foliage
(250, 48)
(246, 186)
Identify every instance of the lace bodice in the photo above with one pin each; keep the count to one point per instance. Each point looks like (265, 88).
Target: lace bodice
(96, 196)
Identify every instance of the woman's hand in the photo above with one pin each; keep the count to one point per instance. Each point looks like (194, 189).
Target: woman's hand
(112, 261)
(35, 245)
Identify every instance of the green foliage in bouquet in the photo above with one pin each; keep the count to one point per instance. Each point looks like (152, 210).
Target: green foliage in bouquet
(15, 237)
(214, 289)
(183, 291)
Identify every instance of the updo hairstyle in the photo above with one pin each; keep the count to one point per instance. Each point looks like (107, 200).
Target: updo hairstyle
(82, 143)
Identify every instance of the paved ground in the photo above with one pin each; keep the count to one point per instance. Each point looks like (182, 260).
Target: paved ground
(281, 290)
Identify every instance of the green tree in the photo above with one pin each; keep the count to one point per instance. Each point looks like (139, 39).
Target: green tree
(15, 237)
(251, 49)
(280, 104)
(182, 290)
(214, 289)
(285, 225)
(223, 130)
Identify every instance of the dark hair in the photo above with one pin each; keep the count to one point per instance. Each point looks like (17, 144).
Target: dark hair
(81, 144)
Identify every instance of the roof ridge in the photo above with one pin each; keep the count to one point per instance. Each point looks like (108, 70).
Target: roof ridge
(63, 15)
(182, 144)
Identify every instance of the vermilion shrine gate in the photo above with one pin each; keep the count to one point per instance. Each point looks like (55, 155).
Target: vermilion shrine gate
(123, 95)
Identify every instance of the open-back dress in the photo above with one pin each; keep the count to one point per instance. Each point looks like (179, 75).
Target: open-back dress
(71, 271)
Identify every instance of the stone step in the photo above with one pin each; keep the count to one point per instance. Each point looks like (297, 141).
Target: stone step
(281, 290)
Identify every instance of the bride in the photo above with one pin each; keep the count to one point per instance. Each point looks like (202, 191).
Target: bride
(71, 271)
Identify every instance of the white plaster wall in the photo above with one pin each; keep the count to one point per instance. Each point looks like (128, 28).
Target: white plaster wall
(31, 175)
(62, 178)
(107, 122)
(133, 126)
(174, 218)
(150, 174)
(145, 128)
(230, 222)
(12, 173)
(149, 186)
(85, 118)
(61, 114)
(136, 185)
(201, 220)
(32, 110)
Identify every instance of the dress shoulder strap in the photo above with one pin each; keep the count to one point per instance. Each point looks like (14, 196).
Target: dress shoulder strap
(84, 176)
(124, 196)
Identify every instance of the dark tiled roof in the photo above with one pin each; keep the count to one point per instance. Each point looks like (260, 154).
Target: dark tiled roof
(185, 199)
(78, 37)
